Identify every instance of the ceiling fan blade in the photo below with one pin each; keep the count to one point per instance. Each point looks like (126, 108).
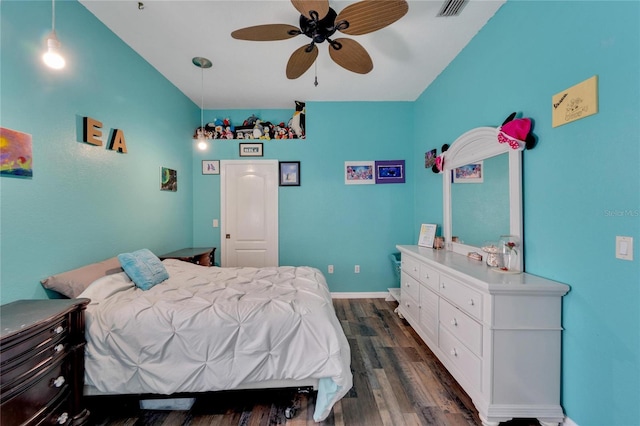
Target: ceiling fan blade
(352, 56)
(306, 6)
(268, 32)
(371, 15)
(300, 61)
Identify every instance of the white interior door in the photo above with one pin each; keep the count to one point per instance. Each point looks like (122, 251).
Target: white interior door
(249, 212)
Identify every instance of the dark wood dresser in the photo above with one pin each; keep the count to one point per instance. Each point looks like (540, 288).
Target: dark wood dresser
(42, 362)
(204, 256)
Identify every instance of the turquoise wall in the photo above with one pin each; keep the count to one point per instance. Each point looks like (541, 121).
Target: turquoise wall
(581, 183)
(323, 221)
(86, 203)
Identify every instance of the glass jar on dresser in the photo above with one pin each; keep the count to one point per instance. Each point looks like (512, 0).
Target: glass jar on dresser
(498, 334)
(42, 362)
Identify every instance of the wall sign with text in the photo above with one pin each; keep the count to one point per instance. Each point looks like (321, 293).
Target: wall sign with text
(576, 102)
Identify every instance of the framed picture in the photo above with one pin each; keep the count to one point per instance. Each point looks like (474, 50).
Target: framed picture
(359, 172)
(427, 235)
(430, 158)
(168, 179)
(210, 167)
(251, 150)
(471, 173)
(289, 173)
(390, 171)
(17, 154)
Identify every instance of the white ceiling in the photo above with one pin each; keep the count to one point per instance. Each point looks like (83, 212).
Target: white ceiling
(407, 55)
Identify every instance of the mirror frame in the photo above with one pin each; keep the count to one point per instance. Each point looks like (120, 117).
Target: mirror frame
(475, 145)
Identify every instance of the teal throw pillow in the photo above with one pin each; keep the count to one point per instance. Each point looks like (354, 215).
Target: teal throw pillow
(144, 268)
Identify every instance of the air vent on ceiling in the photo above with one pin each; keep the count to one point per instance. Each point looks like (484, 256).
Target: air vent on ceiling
(452, 8)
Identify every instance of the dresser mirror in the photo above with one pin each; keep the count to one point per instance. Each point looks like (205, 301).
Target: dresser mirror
(481, 205)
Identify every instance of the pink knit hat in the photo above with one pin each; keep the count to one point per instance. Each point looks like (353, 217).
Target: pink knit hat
(515, 133)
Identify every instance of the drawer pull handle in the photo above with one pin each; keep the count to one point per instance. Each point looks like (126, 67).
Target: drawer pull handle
(453, 352)
(454, 322)
(62, 419)
(58, 347)
(471, 302)
(59, 329)
(58, 382)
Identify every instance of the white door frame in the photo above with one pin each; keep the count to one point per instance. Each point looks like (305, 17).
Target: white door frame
(273, 246)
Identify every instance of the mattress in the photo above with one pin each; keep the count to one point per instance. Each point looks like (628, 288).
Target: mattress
(208, 329)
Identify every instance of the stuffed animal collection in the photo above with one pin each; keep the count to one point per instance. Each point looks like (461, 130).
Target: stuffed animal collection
(254, 128)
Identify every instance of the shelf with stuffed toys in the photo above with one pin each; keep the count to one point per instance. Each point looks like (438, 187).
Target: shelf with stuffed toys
(254, 128)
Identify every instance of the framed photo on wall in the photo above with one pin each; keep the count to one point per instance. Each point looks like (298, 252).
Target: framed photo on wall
(210, 167)
(390, 171)
(168, 179)
(359, 172)
(289, 173)
(251, 150)
(471, 173)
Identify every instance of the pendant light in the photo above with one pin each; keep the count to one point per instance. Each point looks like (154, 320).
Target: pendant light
(201, 63)
(52, 58)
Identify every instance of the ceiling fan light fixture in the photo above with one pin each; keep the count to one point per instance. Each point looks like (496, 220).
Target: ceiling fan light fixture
(202, 63)
(320, 22)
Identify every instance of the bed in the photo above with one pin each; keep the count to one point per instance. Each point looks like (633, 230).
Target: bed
(208, 329)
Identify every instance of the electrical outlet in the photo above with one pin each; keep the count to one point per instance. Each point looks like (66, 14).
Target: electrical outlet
(357, 269)
(215, 223)
(330, 269)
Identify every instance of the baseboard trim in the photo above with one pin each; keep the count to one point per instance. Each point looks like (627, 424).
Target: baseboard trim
(568, 422)
(359, 295)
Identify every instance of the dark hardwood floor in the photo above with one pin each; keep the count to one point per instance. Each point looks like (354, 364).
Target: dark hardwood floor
(396, 381)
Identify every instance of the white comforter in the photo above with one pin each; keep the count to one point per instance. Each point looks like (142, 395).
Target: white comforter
(208, 329)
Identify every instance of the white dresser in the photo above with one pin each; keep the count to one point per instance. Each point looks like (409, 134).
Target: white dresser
(498, 334)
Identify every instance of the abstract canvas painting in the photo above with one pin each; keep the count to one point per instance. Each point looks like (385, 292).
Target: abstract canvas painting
(15, 153)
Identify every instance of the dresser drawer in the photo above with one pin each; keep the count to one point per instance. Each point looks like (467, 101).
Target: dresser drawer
(462, 358)
(409, 285)
(409, 307)
(29, 363)
(411, 266)
(465, 329)
(28, 400)
(429, 276)
(429, 313)
(464, 297)
(35, 338)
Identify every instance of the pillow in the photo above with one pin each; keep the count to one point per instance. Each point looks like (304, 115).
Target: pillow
(144, 268)
(74, 282)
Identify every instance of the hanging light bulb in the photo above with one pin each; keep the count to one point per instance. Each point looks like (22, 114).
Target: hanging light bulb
(52, 58)
(201, 63)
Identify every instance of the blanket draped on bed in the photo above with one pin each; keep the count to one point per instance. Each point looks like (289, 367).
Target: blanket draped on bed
(208, 329)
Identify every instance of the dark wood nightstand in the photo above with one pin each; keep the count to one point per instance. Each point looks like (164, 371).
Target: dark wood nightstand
(42, 362)
(204, 256)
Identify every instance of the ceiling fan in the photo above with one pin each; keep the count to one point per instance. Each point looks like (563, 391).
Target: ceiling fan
(320, 22)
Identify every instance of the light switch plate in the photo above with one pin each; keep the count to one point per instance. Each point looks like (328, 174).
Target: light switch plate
(624, 248)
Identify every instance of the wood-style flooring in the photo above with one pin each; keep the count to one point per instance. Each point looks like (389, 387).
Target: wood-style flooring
(396, 381)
